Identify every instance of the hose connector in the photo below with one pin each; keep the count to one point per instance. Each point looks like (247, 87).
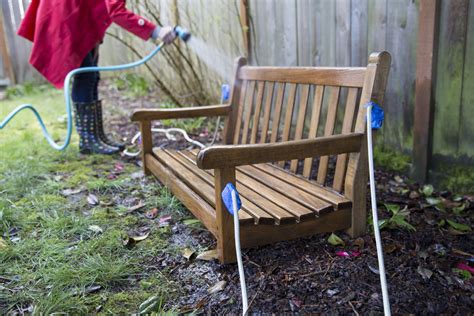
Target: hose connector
(182, 33)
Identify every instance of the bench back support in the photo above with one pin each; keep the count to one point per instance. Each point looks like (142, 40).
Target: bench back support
(273, 104)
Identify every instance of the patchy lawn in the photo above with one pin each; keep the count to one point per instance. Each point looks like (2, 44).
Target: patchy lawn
(89, 234)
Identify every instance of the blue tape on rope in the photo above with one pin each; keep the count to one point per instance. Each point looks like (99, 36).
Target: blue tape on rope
(227, 198)
(225, 92)
(378, 115)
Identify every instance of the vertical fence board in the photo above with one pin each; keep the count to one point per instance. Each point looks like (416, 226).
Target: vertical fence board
(450, 73)
(466, 134)
(359, 33)
(401, 36)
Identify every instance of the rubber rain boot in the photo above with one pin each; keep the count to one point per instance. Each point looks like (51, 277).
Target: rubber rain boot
(86, 125)
(100, 128)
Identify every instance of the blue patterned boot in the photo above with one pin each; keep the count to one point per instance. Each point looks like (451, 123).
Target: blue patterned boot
(86, 125)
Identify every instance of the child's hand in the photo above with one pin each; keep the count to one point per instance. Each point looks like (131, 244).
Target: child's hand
(165, 33)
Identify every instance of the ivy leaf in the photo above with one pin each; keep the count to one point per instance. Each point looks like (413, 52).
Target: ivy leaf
(433, 201)
(427, 190)
(458, 226)
(335, 240)
(458, 210)
(394, 208)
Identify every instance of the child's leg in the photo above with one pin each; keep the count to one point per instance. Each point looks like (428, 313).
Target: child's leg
(83, 84)
(83, 93)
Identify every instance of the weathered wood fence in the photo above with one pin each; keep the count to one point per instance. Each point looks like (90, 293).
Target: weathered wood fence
(319, 33)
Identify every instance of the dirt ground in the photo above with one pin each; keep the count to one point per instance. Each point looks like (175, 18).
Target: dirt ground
(307, 276)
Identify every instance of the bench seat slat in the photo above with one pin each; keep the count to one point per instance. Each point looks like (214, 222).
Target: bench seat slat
(277, 216)
(199, 186)
(295, 200)
(336, 199)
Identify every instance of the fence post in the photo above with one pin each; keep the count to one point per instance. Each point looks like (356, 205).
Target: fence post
(424, 88)
(7, 63)
(244, 22)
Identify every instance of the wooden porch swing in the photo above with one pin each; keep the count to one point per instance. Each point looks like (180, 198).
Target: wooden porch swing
(285, 194)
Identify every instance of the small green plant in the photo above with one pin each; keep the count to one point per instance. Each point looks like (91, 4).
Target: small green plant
(133, 84)
(26, 89)
(399, 218)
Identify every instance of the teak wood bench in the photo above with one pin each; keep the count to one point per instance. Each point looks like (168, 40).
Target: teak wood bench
(281, 168)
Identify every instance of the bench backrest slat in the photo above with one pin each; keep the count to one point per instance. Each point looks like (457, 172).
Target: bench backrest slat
(329, 76)
(292, 103)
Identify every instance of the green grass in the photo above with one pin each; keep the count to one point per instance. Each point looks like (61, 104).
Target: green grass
(51, 260)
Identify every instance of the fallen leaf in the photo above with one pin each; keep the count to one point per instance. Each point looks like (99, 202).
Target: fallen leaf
(92, 199)
(348, 254)
(297, 302)
(147, 306)
(137, 175)
(191, 221)
(359, 242)
(187, 253)
(335, 240)
(95, 229)
(132, 240)
(107, 203)
(458, 210)
(140, 238)
(219, 286)
(331, 293)
(118, 167)
(208, 255)
(69, 192)
(164, 221)
(463, 266)
(136, 207)
(433, 201)
(453, 231)
(398, 179)
(414, 195)
(374, 270)
(458, 226)
(390, 248)
(425, 273)
(3, 243)
(151, 214)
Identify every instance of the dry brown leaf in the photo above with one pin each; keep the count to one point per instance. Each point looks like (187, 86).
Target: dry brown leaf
(136, 207)
(219, 286)
(187, 253)
(208, 255)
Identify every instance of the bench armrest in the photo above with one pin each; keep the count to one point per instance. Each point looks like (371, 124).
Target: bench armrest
(189, 112)
(217, 157)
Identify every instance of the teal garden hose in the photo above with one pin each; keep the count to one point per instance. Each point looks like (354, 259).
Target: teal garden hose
(180, 32)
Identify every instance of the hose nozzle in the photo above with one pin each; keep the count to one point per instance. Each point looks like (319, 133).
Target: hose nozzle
(182, 33)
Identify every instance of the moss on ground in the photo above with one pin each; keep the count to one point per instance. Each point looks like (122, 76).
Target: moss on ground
(391, 160)
(59, 253)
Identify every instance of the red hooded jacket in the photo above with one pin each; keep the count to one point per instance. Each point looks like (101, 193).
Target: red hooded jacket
(64, 31)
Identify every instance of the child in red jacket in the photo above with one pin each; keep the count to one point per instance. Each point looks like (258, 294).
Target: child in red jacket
(66, 35)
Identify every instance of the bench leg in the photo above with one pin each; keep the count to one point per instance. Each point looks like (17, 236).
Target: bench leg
(358, 195)
(225, 226)
(147, 143)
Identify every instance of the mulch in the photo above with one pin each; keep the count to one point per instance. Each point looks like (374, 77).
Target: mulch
(307, 276)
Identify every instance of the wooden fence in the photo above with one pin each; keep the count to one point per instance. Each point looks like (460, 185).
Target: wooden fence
(18, 48)
(322, 33)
